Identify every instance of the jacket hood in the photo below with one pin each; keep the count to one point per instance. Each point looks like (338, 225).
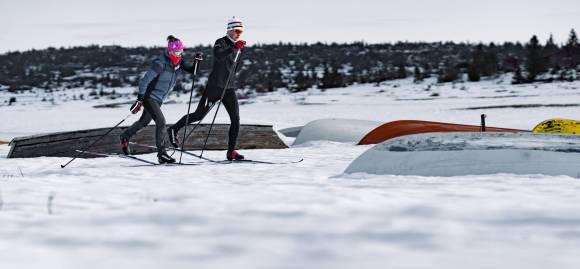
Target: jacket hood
(164, 57)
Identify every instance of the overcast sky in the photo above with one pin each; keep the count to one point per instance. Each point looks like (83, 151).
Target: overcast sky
(26, 24)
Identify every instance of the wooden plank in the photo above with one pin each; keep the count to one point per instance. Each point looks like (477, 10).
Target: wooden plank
(65, 144)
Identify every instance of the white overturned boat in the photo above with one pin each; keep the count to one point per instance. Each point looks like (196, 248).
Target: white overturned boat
(337, 130)
(456, 154)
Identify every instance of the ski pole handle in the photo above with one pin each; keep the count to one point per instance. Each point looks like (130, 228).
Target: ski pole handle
(198, 58)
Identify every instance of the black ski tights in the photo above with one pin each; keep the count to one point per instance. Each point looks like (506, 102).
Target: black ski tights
(230, 102)
(151, 111)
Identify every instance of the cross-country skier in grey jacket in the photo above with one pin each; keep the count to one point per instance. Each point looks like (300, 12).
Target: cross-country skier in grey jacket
(154, 87)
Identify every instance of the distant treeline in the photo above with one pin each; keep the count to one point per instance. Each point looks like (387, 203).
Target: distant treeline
(298, 67)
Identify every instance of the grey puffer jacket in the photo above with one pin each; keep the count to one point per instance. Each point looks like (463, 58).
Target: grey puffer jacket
(161, 77)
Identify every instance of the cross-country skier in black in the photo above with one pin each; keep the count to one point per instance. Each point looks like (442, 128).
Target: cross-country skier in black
(154, 87)
(224, 52)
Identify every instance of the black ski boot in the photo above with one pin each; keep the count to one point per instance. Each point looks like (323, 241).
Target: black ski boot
(125, 145)
(173, 137)
(164, 158)
(234, 155)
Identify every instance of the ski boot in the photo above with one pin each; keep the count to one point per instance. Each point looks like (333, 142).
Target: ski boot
(173, 137)
(164, 158)
(233, 155)
(125, 145)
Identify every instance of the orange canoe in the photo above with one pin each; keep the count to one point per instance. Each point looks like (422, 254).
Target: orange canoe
(408, 127)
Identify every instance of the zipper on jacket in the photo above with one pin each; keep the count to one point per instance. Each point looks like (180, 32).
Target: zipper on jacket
(171, 89)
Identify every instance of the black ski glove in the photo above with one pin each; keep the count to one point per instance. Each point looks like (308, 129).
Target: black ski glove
(136, 107)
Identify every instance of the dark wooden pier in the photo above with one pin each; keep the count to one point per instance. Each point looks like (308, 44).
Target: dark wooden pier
(65, 144)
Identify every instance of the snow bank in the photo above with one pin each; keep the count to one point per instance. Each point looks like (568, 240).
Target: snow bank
(456, 154)
(336, 130)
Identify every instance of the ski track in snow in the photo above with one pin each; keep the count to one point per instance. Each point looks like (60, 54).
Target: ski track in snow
(103, 213)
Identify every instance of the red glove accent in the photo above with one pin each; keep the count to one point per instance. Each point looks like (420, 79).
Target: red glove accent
(136, 107)
(240, 44)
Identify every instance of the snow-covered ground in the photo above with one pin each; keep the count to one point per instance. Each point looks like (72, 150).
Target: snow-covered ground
(105, 213)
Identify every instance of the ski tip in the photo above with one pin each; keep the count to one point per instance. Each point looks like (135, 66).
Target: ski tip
(62, 166)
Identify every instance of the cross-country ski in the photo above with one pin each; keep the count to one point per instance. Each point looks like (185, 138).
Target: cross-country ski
(131, 157)
(192, 154)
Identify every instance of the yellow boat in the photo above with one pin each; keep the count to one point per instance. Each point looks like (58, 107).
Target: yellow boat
(561, 126)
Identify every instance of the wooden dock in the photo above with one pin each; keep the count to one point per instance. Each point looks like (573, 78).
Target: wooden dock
(65, 144)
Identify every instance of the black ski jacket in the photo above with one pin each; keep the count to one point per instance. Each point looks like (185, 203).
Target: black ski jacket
(224, 53)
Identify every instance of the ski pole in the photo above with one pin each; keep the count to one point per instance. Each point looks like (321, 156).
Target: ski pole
(221, 98)
(198, 58)
(483, 116)
(94, 142)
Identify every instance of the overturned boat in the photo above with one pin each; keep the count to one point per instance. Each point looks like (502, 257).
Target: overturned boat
(408, 127)
(469, 153)
(66, 144)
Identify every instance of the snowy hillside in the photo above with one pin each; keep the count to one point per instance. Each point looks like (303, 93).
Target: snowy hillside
(107, 213)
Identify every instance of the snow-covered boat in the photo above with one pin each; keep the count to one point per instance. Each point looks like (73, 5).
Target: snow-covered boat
(337, 130)
(468, 153)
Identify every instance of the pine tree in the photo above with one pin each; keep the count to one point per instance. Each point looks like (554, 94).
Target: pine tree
(448, 74)
(337, 78)
(331, 77)
(313, 76)
(491, 61)
(535, 62)
(473, 73)
(477, 63)
(550, 52)
(572, 39)
(427, 69)
(550, 42)
(418, 75)
(301, 82)
(518, 77)
(572, 50)
(326, 81)
(401, 71)
(275, 80)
